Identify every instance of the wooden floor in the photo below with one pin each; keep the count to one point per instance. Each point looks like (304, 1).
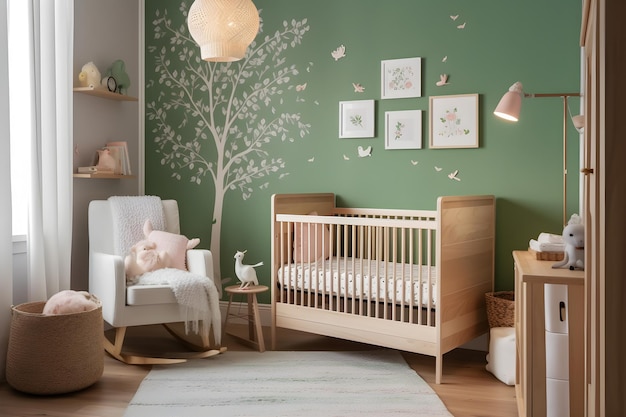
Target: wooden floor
(468, 390)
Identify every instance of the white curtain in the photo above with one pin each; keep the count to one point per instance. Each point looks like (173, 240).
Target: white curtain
(50, 206)
(6, 267)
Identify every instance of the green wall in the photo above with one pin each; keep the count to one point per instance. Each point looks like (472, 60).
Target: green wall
(532, 41)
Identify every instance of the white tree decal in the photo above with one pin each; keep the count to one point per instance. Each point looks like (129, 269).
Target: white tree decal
(209, 120)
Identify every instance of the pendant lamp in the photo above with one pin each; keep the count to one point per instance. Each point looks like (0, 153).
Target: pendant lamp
(223, 28)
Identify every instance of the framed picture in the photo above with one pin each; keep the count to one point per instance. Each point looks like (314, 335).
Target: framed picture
(401, 78)
(454, 121)
(356, 119)
(403, 129)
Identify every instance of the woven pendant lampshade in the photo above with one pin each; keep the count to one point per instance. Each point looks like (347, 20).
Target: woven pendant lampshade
(223, 28)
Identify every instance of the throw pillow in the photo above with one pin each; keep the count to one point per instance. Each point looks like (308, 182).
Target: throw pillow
(174, 245)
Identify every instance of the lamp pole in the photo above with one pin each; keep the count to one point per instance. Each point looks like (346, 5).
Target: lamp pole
(564, 96)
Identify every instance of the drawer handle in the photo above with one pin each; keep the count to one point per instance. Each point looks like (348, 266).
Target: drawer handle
(562, 310)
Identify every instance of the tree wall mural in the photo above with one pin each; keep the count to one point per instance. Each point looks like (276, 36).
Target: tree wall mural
(225, 106)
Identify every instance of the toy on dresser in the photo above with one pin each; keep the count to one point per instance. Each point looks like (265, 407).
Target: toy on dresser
(574, 239)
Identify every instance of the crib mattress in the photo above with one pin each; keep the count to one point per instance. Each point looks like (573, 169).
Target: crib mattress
(364, 279)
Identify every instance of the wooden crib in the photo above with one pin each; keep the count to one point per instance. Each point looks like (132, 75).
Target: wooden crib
(413, 280)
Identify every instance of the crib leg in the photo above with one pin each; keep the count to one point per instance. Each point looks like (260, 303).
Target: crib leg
(438, 368)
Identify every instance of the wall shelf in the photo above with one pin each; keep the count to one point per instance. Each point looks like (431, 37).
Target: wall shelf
(104, 176)
(104, 94)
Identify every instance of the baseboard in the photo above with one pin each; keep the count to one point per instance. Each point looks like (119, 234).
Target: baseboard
(265, 311)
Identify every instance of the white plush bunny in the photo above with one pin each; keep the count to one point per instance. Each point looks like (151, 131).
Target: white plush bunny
(574, 238)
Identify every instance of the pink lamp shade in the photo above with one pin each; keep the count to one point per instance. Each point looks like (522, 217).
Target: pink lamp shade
(579, 122)
(511, 103)
(223, 28)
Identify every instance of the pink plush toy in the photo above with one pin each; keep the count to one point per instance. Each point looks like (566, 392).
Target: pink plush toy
(69, 301)
(143, 258)
(175, 245)
(158, 250)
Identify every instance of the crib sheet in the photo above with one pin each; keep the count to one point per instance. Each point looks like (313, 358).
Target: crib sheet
(363, 279)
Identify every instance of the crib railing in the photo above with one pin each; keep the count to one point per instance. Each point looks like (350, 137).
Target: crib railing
(383, 263)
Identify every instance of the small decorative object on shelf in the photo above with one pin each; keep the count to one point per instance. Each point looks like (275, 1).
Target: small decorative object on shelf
(119, 151)
(120, 79)
(111, 84)
(111, 162)
(574, 238)
(106, 162)
(245, 273)
(87, 170)
(89, 76)
(111, 159)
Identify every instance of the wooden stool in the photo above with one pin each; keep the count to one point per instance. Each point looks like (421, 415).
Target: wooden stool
(255, 332)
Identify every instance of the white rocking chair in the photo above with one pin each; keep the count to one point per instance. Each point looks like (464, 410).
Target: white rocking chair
(139, 305)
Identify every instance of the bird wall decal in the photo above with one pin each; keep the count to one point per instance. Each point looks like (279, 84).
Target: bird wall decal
(453, 175)
(358, 88)
(443, 80)
(245, 273)
(365, 152)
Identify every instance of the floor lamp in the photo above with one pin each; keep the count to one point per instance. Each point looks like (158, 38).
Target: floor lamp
(509, 109)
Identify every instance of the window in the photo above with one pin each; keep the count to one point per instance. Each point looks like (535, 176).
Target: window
(20, 105)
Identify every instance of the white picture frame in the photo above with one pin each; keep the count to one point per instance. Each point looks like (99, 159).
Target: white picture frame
(401, 78)
(403, 129)
(453, 121)
(356, 119)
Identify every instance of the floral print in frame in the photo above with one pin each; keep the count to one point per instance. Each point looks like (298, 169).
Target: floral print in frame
(401, 78)
(356, 119)
(403, 129)
(454, 121)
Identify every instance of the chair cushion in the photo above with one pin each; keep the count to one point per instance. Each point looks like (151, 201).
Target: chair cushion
(137, 295)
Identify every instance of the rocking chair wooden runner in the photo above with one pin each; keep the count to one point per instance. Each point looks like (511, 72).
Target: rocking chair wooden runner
(140, 305)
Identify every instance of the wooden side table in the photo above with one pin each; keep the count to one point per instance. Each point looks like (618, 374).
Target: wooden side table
(255, 331)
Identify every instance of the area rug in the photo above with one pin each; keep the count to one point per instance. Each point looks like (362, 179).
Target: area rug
(273, 384)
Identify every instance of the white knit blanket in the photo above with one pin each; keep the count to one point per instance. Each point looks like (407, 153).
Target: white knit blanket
(129, 215)
(197, 297)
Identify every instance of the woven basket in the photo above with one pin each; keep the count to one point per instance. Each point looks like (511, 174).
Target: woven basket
(500, 308)
(54, 354)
